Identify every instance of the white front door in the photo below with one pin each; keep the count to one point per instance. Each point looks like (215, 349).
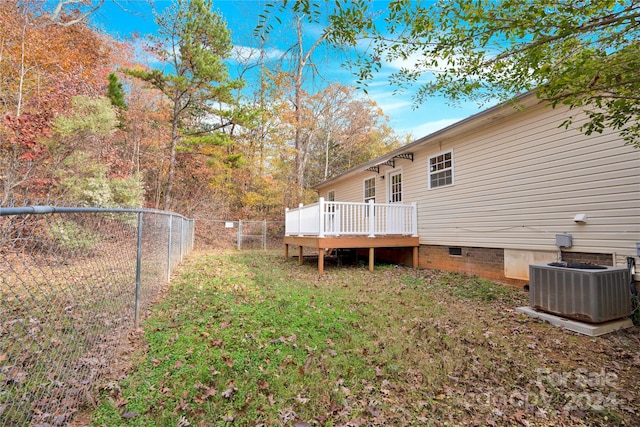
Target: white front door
(395, 187)
(394, 216)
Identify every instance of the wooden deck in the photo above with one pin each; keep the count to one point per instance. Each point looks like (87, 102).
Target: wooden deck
(351, 242)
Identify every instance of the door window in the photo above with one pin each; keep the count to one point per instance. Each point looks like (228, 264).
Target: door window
(395, 187)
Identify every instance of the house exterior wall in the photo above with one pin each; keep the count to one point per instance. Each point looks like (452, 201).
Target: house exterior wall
(519, 179)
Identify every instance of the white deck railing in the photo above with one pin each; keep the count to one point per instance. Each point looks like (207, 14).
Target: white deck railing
(346, 218)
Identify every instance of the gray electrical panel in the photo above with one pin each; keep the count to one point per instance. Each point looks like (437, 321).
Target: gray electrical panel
(564, 240)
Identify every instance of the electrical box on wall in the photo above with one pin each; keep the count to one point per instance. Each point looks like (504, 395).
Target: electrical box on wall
(564, 240)
(638, 248)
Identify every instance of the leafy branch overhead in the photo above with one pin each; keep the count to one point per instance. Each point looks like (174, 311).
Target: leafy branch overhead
(581, 54)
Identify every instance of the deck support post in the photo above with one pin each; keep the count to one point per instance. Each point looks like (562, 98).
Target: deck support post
(320, 261)
(286, 251)
(325, 245)
(371, 258)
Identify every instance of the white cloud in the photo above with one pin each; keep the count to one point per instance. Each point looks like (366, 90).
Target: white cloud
(390, 105)
(386, 98)
(246, 53)
(142, 55)
(416, 62)
(380, 80)
(410, 63)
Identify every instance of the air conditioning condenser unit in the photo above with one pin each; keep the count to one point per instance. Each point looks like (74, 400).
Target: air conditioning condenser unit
(583, 292)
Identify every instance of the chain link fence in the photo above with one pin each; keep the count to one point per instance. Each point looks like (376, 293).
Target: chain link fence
(74, 282)
(220, 234)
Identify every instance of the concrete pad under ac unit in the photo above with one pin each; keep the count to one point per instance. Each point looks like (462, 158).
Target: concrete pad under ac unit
(592, 330)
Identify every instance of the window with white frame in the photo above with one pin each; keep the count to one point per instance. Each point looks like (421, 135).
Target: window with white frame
(331, 197)
(441, 170)
(370, 189)
(330, 210)
(369, 193)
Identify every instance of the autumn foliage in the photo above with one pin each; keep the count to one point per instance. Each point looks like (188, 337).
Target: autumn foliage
(83, 122)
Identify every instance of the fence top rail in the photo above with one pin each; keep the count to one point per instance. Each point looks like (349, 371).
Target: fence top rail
(26, 210)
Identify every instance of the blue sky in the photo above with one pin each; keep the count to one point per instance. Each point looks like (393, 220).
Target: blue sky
(242, 17)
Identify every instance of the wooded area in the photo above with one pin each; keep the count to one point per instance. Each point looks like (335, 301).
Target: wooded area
(83, 122)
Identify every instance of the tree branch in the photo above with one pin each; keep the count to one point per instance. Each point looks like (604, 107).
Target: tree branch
(582, 29)
(55, 15)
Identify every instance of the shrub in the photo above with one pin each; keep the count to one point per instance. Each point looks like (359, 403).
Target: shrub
(72, 236)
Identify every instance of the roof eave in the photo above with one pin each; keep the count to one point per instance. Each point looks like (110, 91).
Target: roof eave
(524, 100)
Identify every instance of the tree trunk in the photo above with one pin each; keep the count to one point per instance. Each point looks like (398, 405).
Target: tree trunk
(23, 72)
(301, 144)
(326, 154)
(172, 153)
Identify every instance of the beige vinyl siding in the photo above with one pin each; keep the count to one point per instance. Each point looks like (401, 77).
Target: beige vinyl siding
(353, 190)
(521, 180)
(518, 181)
(416, 178)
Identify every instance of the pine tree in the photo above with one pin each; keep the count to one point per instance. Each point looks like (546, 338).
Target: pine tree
(115, 92)
(194, 41)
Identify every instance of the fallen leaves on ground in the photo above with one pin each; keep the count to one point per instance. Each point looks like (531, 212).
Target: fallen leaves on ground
(353, 348)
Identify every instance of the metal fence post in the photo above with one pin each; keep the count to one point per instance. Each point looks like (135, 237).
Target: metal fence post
(181, 238)
(264, 235)
(239, 234)
(169, 248)
(136, 315)
(193, 234)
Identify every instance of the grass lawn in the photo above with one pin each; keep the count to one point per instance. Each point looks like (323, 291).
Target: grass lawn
(252, 339)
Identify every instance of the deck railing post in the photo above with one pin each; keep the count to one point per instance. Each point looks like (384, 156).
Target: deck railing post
(414, 219)
(321, 222)
(287, 232)
(300, 219)
(372, 222)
